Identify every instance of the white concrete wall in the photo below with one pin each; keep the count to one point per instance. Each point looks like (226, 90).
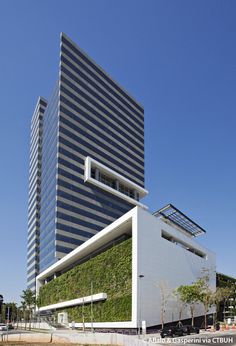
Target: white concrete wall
(161, 261)
(34, 325)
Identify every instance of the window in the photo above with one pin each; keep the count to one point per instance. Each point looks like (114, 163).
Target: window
(113, 182)
(93, 173)
(125, 190)
(108, 181)
(180, 243)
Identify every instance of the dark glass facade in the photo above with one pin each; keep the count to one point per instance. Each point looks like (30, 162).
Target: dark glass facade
(89, 115)
(34, 192)
(48, 183)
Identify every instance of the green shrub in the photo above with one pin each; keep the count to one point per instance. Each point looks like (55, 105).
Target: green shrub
(110, 272)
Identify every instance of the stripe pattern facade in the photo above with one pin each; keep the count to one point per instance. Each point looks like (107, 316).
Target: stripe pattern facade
(98, 119)
(49, 182)
(89, 115)
(34, 192)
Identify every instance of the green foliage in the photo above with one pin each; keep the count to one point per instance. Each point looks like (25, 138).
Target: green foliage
(226, 292)
(28, 303)
(189, 294)
(206, 295)
(118, 309)
(200, 291)
(225, 281)
(28, 297)
(223, 293)
(110, 272)
(13, 311)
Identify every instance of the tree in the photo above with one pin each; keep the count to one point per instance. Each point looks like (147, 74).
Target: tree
(222, 294)
(29, 299)
(189, 294)
(224, 281)
(23, 308)
(206, 295)
(165, 293)
(180, 304)
(9, 312)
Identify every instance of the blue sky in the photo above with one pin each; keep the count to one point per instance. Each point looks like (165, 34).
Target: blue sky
(178, 58)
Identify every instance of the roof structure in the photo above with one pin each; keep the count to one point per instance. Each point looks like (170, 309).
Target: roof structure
(174, 215)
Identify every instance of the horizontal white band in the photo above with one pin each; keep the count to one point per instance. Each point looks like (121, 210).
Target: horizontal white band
(78, 301)
(89, 162)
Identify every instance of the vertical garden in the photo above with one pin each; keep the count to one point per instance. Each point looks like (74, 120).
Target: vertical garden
(109, 272)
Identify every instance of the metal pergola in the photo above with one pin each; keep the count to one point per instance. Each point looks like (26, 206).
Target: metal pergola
(174, 215)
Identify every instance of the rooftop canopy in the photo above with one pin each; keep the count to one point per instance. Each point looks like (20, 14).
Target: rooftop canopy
(174, 215)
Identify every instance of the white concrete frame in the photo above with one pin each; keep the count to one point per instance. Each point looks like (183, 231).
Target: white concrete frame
(157, 259)
(114, 230)
(78, 301)
(89, 163)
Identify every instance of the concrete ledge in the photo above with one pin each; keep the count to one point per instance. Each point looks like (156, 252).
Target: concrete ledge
(99, 339)
(109, 325)
(77, 338)
(78, 301)
(87, 338)
(31, 337)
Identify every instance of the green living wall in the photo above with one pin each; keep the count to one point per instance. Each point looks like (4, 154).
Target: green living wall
(110, 272)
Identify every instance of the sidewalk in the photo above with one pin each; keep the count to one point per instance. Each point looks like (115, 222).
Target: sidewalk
(74, 337)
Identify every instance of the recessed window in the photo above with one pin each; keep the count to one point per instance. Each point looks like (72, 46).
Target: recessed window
(113, 182)
(107, 181)
(93, 173)
(126, 190)
(182, 244)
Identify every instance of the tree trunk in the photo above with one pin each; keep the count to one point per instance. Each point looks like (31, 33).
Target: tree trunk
(25, 319)
(192, 314)
(224, 309)
(162, 317)
(180, 314)
(216, 314)
(30, 319)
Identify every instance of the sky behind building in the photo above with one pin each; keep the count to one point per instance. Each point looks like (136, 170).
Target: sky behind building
(177, 58)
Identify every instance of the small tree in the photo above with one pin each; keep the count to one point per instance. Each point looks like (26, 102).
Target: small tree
(29, 299)
(23, 309)
(206, 295)
(189, 294)
(180, 304)
(10, 312)
(222, 294)
(165, 293)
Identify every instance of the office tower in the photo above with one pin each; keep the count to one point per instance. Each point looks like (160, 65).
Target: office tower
(34, 191)
(92, 158)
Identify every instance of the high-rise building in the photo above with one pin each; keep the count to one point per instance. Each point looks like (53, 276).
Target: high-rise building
(86, 161)
(34, 191)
